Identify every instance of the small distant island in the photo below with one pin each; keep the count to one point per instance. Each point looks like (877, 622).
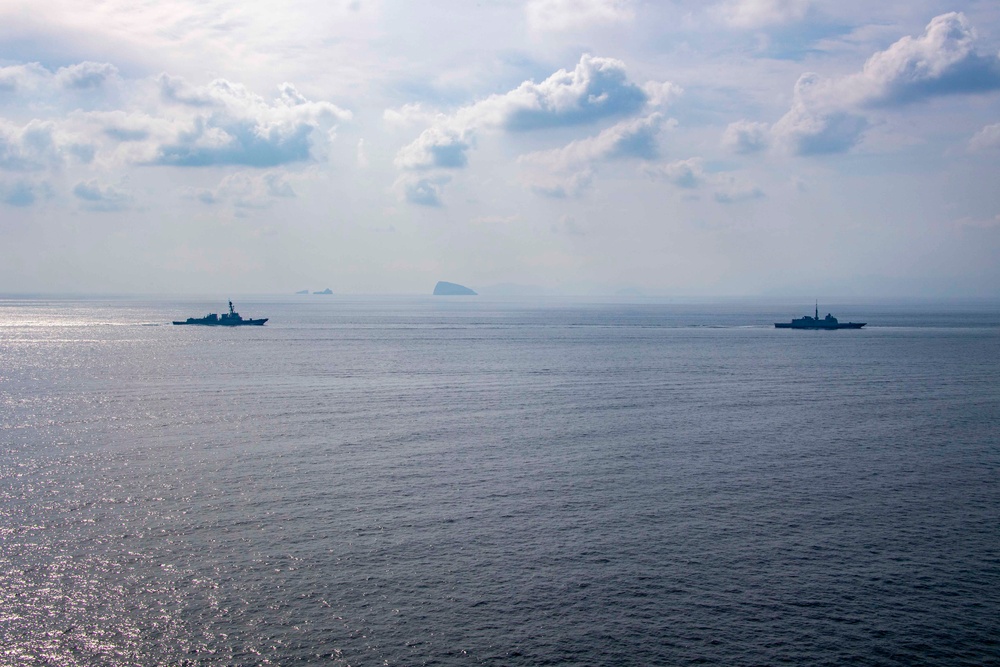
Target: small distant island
(326, 291)
(452, 289)
(304, 291)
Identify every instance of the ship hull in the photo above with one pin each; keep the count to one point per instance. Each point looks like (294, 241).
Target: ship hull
(244, 323)
(230, 319)
(820, 326)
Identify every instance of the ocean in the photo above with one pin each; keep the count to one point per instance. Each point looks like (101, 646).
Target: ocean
(466, 481)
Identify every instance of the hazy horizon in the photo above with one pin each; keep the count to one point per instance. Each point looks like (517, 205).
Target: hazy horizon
(796, 301)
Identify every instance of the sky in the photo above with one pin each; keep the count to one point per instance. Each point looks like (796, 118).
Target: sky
(689, 149)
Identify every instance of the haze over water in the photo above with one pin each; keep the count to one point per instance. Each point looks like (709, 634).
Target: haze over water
(407, 481)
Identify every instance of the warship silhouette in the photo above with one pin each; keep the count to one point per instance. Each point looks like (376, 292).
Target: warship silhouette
(828, 322)
(230, 319)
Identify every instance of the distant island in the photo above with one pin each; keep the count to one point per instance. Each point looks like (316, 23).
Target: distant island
(452, 289)
(326, 291)
(304, 291)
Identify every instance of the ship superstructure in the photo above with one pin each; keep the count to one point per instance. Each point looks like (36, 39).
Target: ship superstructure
(230, 319)
(828, 322)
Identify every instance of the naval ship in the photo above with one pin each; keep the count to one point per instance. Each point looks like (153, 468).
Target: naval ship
(230, 319)
(828, 322)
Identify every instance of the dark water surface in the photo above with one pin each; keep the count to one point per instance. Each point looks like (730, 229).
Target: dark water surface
(465, 482)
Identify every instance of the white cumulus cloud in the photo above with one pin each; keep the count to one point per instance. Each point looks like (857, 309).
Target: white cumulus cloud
(443, 147)
(33, 147)
(568, 171)
(628, 139)
(942, 61)
(86, 75)
(830, 115)
(231, 125)
(596, 89)
(817, 123)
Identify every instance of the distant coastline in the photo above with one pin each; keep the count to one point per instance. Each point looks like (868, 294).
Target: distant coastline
(444, 288)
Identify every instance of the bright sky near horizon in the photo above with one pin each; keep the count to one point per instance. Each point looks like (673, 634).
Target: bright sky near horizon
(731, 147)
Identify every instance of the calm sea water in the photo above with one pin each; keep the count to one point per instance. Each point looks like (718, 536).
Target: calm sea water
(474, 482)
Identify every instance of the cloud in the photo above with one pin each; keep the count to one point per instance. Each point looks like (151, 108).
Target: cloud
(22, 78)
(631, 139)
(424, 191)
(84, 153)
(86, 118)
(408, 115)
(97, 197)
(86, 75)
(232, 126)
(278, 186)
(690, 174)
(175, 89)
(687, 174)
(123, 127)
(22, 193)
(236, 142)
(246, 190)
(628, 139)
(33, 147)
(986, 139)
(33, 88)
(436, 147)
(942, 61)
(661, 93)
(563, 15)
(829, 115)
(753, 14)
(817, 124)
(746, 137)
(596, 89)
(806, 132)
(567, 171)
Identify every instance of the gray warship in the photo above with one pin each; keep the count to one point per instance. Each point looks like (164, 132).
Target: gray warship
(230, 319)
(827, 323)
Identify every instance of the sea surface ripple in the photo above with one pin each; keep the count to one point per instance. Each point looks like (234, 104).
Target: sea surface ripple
(393, 481)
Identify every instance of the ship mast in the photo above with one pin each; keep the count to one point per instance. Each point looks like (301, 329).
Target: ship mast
(817, 307)
(231, 308)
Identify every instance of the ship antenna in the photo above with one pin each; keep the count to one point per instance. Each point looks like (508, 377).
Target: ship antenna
(230, 307)
(817, 307)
